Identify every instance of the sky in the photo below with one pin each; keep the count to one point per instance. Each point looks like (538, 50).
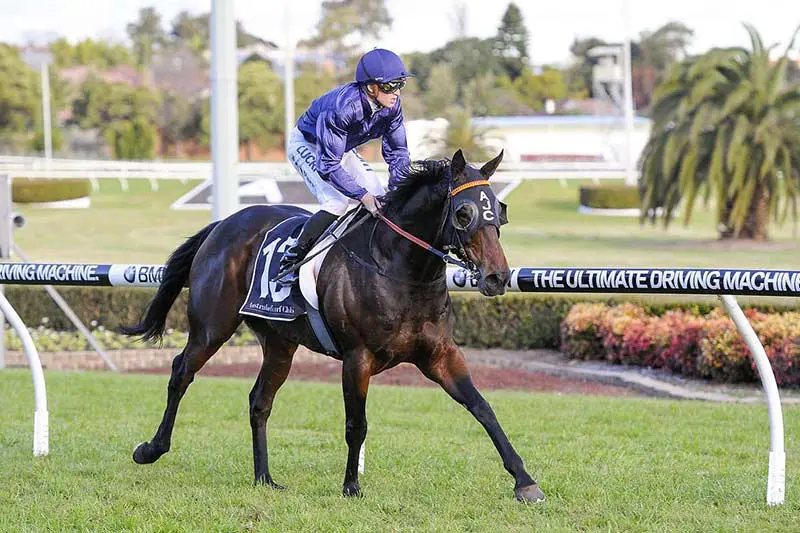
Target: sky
(423, 25)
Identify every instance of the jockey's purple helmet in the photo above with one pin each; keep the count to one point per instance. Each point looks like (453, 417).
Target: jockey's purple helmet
(382, 66)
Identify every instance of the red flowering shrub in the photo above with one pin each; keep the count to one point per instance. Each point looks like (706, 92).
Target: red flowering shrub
(707, 346)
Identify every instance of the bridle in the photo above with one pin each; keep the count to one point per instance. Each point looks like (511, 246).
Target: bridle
(457, 244)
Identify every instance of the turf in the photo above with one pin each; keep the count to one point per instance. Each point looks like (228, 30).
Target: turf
(605, 463)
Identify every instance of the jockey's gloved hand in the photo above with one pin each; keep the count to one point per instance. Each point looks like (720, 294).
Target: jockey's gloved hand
(372, 204)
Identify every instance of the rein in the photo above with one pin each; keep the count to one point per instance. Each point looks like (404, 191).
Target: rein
(447, 258)
(422, 244)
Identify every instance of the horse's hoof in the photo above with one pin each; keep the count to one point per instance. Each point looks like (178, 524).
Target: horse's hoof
(270, 483)
(145, 454)
(351, 489)
(529, 494)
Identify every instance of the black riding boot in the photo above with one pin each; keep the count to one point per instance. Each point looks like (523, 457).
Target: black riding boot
(313, 228)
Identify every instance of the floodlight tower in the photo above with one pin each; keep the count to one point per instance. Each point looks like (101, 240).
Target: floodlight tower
(224, 111)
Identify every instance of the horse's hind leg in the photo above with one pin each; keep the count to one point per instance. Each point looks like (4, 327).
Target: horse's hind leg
(278, 355)
(184, 367)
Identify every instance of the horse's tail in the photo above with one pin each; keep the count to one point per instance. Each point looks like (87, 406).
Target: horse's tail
(173, 279)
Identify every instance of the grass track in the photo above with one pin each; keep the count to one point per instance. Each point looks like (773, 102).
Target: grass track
(605, 463)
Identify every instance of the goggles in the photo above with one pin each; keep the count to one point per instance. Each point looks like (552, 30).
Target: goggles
(393, 86)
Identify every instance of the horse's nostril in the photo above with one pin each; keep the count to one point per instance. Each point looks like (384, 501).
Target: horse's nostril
(494, 280)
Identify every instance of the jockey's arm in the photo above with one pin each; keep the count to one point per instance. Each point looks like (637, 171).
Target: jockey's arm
(395, 150)
(332, 138)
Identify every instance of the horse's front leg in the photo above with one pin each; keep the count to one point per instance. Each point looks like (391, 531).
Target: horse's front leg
(448, 368)
(356, 371)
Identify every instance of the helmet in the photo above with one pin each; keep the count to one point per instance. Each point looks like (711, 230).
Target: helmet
(380, 65)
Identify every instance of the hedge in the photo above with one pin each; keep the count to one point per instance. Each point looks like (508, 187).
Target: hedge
(608, 196)
(29, 190)
(513, 321)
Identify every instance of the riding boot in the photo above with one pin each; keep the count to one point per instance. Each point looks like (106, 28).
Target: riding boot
(312, 230)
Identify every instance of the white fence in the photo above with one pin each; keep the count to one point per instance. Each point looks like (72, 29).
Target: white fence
(94, 169)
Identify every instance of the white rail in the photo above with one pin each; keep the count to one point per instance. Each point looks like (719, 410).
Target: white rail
(41, 418)
(33, 167)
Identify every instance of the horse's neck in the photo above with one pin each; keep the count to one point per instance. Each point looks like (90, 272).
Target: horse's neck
(404, 258)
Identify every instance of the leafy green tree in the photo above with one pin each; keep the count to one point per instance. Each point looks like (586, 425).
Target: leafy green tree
(56, 139)
(147, 35)
(534, 89)
(511, 42)
(725, 124)
(132, 139)
(193, 32)
(468, 58)
(176, 119)
(346, 23)
(260, 104)
(99, 103)
(18, 92)
(488, 95)
(442, 90)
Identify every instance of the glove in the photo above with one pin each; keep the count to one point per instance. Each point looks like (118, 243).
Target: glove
(372, 204)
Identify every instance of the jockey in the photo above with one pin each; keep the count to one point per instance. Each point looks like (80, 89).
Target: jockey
(322, 145)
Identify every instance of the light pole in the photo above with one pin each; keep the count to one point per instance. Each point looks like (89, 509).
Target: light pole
(224, 111)
(288, 76)
(630, 165)
(41, 59)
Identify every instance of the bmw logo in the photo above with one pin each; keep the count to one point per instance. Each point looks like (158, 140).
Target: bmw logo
(130, 274)
(460, 277)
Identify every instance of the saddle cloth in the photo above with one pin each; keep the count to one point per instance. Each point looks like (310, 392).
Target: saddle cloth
(271, 300)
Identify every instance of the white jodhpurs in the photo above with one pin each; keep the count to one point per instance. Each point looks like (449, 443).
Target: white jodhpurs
(303, 156)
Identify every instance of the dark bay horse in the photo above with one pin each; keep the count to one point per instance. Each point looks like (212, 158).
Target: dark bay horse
(384, 298)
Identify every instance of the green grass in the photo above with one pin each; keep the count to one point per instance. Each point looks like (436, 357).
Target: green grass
(605, 463)
(136, 226)
(545, 230)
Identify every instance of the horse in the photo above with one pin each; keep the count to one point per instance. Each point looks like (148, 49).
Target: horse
(384, 298)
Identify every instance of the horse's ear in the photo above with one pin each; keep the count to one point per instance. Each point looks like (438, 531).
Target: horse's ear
(458, 163)
(488, 169)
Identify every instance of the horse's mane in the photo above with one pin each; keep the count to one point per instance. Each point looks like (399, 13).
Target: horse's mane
(424, 172)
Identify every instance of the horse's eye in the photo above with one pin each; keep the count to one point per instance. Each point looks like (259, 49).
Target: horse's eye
(464, 216)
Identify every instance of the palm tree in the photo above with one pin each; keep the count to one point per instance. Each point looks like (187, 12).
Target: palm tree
(725, 124)
(461, 134)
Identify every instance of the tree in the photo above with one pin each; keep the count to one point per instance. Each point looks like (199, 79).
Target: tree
(656, 51)
(100, 104)
(488, 95)
(344, 24)
(580, 74)
(534, 90)
(101, 54)
(193, 32)
(176, 120)
(725, 124)
(132, 139)
(260, 104)
(442, 92)
(18, 93)
(511, 42)
(461, 134)
(147, 35)
(468, 59)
